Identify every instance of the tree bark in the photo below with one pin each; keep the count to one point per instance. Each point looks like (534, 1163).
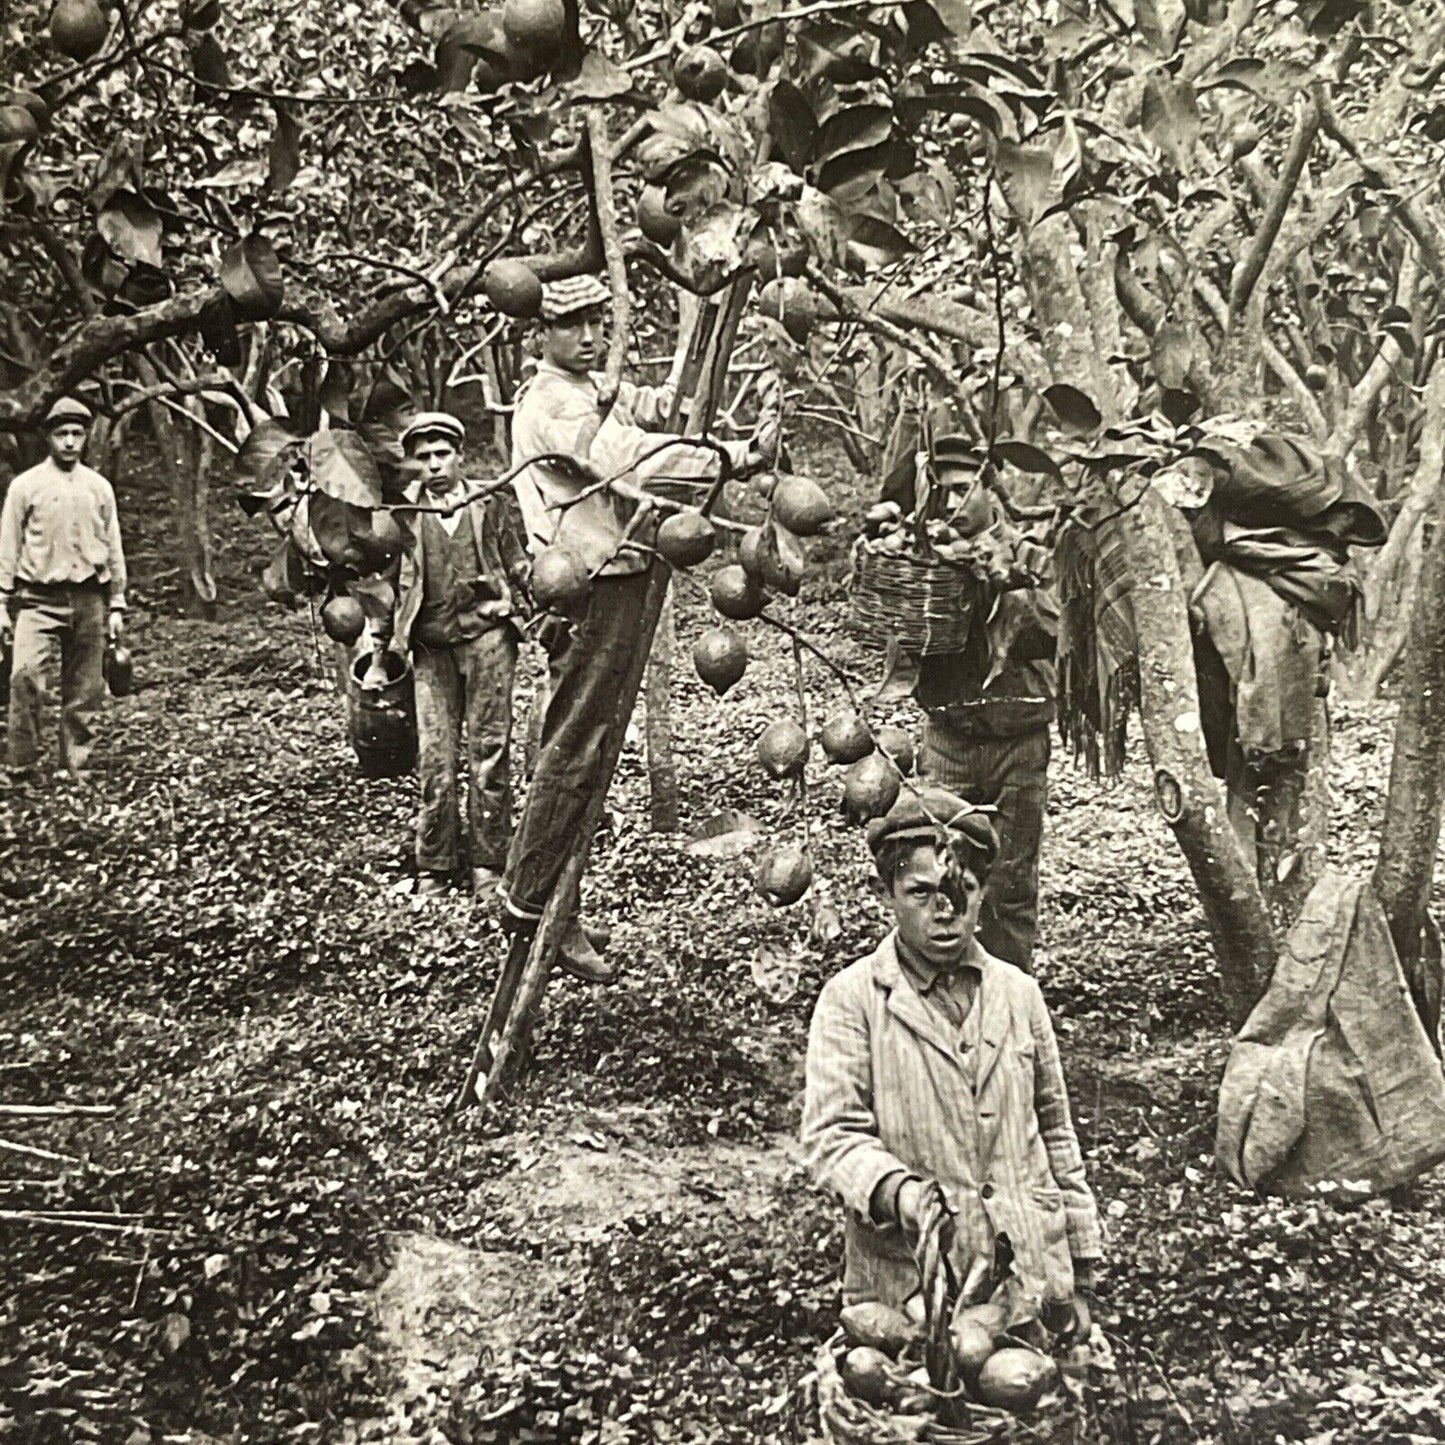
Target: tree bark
(1186, 792)
(1411, 831)
(1292, 824)
(665, 814)
(1367, 672)
(1052, 275)
(184, 461)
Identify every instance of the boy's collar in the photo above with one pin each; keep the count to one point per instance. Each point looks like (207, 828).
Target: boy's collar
(924, 974)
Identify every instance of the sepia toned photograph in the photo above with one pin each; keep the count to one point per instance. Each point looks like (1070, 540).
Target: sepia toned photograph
(723, 722)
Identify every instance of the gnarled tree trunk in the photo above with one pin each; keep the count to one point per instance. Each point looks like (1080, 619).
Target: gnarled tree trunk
(1186, 791)
(1411, 831)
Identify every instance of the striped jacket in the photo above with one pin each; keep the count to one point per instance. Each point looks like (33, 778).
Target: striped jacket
(886, 1090)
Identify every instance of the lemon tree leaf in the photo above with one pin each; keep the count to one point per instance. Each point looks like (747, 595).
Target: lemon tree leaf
(343, 468)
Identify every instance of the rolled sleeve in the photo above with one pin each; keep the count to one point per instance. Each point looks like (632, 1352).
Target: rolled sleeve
(840, 1128)
(1056, 1127)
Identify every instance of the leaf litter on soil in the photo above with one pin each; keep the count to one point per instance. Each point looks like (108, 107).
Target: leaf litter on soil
(212, 942)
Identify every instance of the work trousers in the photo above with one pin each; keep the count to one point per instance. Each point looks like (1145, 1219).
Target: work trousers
(586, 676)
(59, 631)
(1010, 774)
(467, 684)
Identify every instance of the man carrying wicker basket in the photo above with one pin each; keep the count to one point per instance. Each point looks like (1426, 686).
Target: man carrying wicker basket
(932, 1060)
(944, 574)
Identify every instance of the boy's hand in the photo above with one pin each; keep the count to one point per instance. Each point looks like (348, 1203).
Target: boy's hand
(909, 1204)
(115, 627)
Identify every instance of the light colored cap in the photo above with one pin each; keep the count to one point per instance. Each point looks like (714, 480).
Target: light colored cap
(432, 423)
(576, 293)
(68, 409)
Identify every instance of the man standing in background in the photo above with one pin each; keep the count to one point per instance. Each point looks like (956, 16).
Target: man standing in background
(457, 599)
(62, 591)
(987, 735)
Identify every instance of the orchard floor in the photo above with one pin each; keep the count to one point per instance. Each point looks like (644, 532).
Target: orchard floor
(221, 941)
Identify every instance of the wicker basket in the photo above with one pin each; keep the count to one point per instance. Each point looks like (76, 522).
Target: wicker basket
(846, 1420)
(922, 602)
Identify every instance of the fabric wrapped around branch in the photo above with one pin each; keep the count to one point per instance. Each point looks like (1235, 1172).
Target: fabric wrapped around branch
(1335, 1079)
(1275, 535)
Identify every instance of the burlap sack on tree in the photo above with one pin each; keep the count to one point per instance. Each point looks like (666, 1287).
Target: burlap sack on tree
(1333, 1079)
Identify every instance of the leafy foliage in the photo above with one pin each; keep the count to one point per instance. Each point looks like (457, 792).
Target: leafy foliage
(280, 1030)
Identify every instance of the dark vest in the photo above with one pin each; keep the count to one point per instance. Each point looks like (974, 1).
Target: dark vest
(451, 609)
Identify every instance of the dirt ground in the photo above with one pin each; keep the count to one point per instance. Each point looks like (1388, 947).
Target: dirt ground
(220, 941)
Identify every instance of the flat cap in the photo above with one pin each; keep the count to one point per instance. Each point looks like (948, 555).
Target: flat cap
(958, 450)
(576, 293)
(432, 423)
(68, 409)
(931, 813)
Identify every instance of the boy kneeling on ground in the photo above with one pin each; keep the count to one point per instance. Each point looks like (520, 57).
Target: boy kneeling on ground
(932, 1060)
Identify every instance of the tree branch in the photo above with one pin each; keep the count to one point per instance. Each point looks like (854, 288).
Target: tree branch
(1277, 361)
(782, 17)
(1380, 369)
(101, 338)
(1425, 226)
(875, 321)
(1428, 475)
(219, 381)
(1251, 268)
(610, 236)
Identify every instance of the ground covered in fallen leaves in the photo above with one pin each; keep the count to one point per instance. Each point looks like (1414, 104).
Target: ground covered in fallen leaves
(221, 942)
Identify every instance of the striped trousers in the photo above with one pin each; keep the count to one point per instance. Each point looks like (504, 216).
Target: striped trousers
(1010, 774)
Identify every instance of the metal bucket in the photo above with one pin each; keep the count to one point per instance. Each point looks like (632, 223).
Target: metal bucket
(381, 721)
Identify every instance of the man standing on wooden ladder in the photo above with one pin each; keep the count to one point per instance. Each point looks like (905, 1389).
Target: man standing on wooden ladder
(457, 599)
(559, 412)
(62, 591)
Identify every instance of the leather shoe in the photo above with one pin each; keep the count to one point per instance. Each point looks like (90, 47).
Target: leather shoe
(577, 956)
(428, 885)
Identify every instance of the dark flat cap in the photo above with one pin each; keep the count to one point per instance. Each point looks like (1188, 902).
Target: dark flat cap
(927, 812)
(68, 409)
(958, 450)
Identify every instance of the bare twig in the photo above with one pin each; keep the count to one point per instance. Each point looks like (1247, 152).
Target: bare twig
(100, 1223)
(846, 678)
(986, 209)
(221, 381)
(1424, 227)
(140, 1275)
(874, 321)
(282, 97)
(1381, 368)
(33, 1151)
(429, 280)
